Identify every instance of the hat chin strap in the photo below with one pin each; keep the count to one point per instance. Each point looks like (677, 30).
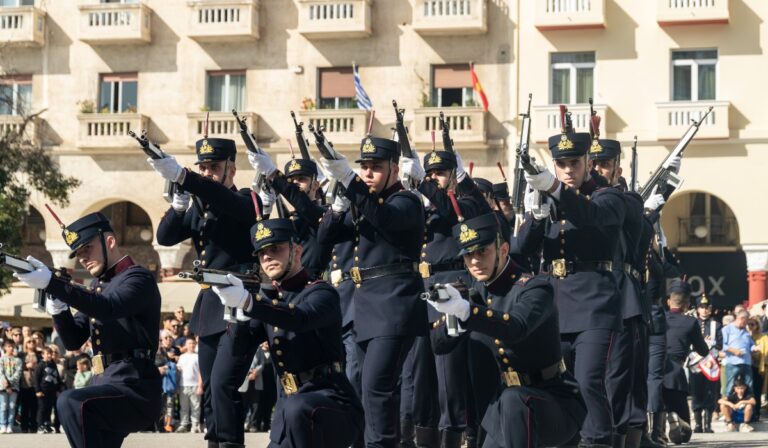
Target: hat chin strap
(103, 254)
(226, 167)
(289, 266)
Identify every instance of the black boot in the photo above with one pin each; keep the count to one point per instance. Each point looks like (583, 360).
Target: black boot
(697, 426)
(212, 444)
(679, 430)
(406, 434)
(619, 440)
(427, 437)
(450, 438)
(657, 428)
(634, 435)
(707, 420)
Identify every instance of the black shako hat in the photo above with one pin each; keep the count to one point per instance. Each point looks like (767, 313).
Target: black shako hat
(215, 149)
(301, 167)
(269, 232)
(604, 149)
(80, 232)
(476, 232)
(571, 144)
(375, 148)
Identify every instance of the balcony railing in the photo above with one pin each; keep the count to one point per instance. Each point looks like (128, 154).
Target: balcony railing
(569, 14)
(675, 117)
(224, 20)
(109, 130)
(334, 19)
(692, 12)
(708, 231)
(24, 25)
(220, 125)
(467, 124)
(546, 120)
(450, 17)
(341, 126)
(115, 23)
(12, 124)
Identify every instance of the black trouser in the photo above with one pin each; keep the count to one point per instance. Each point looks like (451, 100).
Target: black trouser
(426, 407)
(45, 406)
(484, 380)
(657, 358)
(626, 377)
(382, 361)
(677, 401)
(28, 409)
(451, 371)
(703, 392)
(267, 398)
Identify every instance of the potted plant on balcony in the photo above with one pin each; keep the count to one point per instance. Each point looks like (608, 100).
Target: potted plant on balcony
(86, 106)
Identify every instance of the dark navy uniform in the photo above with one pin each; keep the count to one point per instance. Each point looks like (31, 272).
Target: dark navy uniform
(120, 313)
(578, 245)
(536, 403)
(388, 310)
(703, 391)
(218, 225)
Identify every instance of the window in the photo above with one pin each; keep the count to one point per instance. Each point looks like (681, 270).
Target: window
(337, 88)
(573, 78)
(15, 94)
(694, 75)
(710, 222)
(452, 86)
(15, 3)
(118, 93)
(225, 91)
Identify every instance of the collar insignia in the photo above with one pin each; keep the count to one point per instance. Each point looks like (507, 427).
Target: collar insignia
(205, 148)
(368, 147)
(466, 235)
(70, 237)
(262, 232)
(565, 143)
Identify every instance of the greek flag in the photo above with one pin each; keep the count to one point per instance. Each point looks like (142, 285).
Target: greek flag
(363, 102)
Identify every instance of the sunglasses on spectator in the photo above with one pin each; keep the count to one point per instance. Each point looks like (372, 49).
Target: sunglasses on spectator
(16, 334)
(174, 326)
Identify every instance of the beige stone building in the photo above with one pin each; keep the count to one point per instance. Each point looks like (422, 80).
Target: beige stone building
(100, 68)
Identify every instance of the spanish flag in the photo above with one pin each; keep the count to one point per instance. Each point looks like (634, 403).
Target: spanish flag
(478, 88)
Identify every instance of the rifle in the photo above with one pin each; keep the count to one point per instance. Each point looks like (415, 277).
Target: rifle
(300, 138)
(214, 277)
(633, 168)
(518, 189)
(154, 151)
(664, 178)
(402, 132)
(17, 264)
(325, 147)
(447, 140)
(250, 144)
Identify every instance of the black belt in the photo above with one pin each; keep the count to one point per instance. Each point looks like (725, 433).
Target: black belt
(427, 269)
(632, 271)
(101, 361)
(360, 275)
(291, 382)
(560, 268)
(511, 378)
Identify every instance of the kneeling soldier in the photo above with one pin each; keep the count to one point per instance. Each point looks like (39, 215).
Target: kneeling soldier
(538, 403)
(301, 319)
(121, 315)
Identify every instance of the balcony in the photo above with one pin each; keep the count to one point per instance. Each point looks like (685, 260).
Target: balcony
(13, 123)
(342, 127)
(569, 14)
(115, 23)
(450, 17)
(220, 125)
(23, 25)
(224, 20)
(675, 117)
(334, 19)
(109, 130)
(699, 230)
(546, 120)
(692, 12)
(467, 125)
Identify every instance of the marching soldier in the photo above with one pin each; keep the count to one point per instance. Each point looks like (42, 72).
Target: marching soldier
(704, 391)
(538, 403)
(388, 312)
(683, 332)
(120, 313)
(301, 320)
(578, 244)
(502, 202)
(218, 224)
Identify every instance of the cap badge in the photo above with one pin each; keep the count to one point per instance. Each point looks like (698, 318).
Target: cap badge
(434, 159)
(262, 232)
(595, 148)
(466, 235)
(294, 166)
(368, 147)
(205, 148)
(70, 237)
(565, 143)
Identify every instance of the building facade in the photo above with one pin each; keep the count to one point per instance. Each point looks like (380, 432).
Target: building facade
(101, 68)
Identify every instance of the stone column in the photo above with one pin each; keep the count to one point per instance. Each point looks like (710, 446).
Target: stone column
(60, 254)
(757, 272)
(171, 258)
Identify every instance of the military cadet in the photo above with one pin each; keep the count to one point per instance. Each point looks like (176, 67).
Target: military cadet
(683, 332)
(388, 311)
(120, 313)
(486, 189)
(578, 245)
(502, 202)
(301, 320)
(218, 224)
(703, 391)
(538, 403)
(300, 187)
(628, 364)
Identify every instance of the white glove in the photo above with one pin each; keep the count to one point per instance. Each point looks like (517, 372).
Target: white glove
(55, 306)
(37, 279)
(542, 181)
(167, 167)
(675, 164)
(338, 169)
(267, 201)
(340, 204)
(655, 200)
(530, 199)
(261, 163)
(180, 202)
(240, 316)
(232, 296)
(455, 305)
(460, 173)
(320, 173)
(412, 168)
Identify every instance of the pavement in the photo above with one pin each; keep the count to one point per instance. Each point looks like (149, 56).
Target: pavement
(720, 439)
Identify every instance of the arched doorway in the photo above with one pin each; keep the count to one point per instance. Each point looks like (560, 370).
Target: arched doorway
(33, 237)
(704, 233)
(133, 229)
